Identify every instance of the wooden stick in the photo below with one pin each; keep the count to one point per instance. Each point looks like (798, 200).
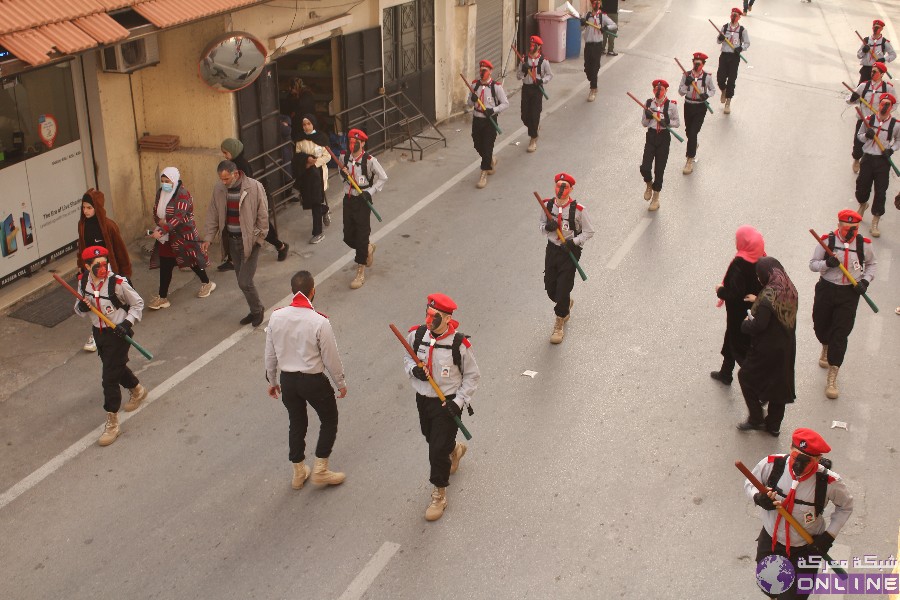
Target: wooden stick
(561, 236)
(655, 116)
(694, 85)
(727, 41)
(481, 104)
(829, 252)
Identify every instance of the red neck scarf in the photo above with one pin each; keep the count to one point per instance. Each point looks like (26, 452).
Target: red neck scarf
(450, 331)
(788, 505)
(301, 301)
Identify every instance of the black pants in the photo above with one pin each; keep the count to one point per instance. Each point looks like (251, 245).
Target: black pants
(656, 155)
(865, 74)
(592, 53)
(694, 115)
(559, 276)
(439, 430)
(357, 227)
(834, 313)
(764, 549)
(877, 170)
(167, 264)
(857, 145)
(319, 209)
(298, 389)
(483, 137)
(532, 104)
(755, 404)
(113, 352)
(728, 72)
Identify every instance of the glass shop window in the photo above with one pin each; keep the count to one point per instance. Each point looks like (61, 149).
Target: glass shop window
(37, 112)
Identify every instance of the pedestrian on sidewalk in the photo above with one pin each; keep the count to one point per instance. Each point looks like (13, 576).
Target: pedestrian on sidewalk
(370, 176)
(695, 105)
(730, 58)
(739, 285)
(559, 268)
(311, 173)
(493, 98)
(239, 210)
(657, 140)
(609, 41)
(233, 150)
(594, 41)
(865, 94)
(836, 299)
(748, 6)
(535, 74)
(448, 359)
(875, 165)
(177, 240)
(96, 229)
(767, 373)
(113, 296)
(300, 345)
(802, 483)
(875, 44)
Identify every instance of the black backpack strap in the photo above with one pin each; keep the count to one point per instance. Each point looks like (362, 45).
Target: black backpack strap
(454, 349)
(890, 130)
(861, 250)
(866, 89)
(494, 92)
(777, 471)
(666, 110)
(537, 69)
(573, 208)
(417, 340)
(550, 207)
(831, 241)
(821, 492)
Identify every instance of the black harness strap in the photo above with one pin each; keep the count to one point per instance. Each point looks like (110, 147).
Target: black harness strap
(778, 466)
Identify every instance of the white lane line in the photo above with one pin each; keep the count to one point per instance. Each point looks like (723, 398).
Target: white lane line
(629, 242)
(372, 569)
(88, 440)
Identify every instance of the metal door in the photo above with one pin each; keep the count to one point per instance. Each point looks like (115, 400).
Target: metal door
(527, 23)
(408, 39)
(363, 74)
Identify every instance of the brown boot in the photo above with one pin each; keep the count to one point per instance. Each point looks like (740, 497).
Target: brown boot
(823, 358)
(874, 228)
(360, 278)
(592, 95)
(322, 476)
(532, 145)
(138, 393)
(649, 191)
(727, 110)
(370, 258)
(571, 304)
(482, 182)
(110, 430)
(435, 510)
(493, 165)
(831, 387)
(458, 452)
(855, 165)
(688, 166)
(654, 203)
(861, 209)
(301, 473)
(559, 331)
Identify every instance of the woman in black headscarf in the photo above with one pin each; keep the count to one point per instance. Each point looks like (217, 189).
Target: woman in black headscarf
(311, 174)
(767, 375)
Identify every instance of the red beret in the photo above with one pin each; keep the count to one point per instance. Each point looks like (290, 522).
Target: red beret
(358, 134)
(890, 97)
(536, 40)
(442, 302)
(92, 252)
(878, 22)
(809, 442)
(881, 67)
(486, 63)
(565, 177)
(661, 82)
(736, 10)
(849, 216)
(700, 56)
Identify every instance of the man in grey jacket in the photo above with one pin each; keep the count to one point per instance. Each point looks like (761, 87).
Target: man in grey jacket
(240, 211)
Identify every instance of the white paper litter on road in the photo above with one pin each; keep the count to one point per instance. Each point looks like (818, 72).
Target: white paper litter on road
(839, 425)
(530, 374)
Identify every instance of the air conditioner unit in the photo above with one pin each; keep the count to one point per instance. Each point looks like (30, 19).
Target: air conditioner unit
(130, 56)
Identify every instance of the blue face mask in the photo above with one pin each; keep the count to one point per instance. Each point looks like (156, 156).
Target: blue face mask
(167, 187)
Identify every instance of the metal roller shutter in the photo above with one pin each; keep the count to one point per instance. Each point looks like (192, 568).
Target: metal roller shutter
(489, 32)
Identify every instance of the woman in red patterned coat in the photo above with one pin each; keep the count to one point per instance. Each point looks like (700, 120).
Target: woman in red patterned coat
(177, 240)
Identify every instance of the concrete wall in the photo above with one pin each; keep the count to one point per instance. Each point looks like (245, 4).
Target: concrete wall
(454, 33)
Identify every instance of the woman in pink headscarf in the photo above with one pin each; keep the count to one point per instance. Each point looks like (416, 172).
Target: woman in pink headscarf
(738, 290)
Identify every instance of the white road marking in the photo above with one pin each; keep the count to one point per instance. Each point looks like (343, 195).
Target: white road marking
(371, 571)
(88, 440)
(629, 242)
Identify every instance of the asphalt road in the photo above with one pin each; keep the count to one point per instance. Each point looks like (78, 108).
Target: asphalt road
(608, 475)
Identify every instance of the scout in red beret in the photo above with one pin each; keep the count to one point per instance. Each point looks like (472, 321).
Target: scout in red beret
(809, 442)
(734, 39)
(599, 34)
(92, 252)
(363, 169)
(879, 139)
(487, 99)
(872, 46)
(443, 359)
(659, 112)
(535, 75)
(697, 87)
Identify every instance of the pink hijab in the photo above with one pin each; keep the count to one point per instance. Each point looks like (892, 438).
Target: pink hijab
(750, 244)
